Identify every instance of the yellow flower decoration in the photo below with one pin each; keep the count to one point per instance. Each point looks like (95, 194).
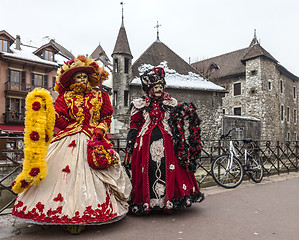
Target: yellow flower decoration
(39, 125)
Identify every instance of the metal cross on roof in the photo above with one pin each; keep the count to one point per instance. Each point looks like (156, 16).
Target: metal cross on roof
(122, 13)
(157, 26)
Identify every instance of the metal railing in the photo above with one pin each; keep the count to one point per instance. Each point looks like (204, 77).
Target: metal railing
(14, 117)
(20, 87)
(277, 158)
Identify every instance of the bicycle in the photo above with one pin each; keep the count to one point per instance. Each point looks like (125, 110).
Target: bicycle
(228, 171)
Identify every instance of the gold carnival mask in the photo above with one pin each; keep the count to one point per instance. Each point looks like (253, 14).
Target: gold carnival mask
(81, 77)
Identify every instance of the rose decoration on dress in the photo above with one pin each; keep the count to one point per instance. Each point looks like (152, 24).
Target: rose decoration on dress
(157, 150)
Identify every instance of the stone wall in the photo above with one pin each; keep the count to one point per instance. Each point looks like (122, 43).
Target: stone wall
(265, 103)
(287, 129)
(209, 107)
(230, 101)
(261, 98)
(120, 85)
(251, 127)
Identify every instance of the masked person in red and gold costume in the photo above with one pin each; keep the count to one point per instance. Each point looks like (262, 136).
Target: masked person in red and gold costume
(160, 181)
(79, 190)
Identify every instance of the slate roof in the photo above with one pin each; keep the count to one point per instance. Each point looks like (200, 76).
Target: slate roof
(50, 44)
(122, 43)
(11, 38)
(231, 64)
(100, 54)
(228, 64)
(257, 50)
(66, 53)
(158, 52)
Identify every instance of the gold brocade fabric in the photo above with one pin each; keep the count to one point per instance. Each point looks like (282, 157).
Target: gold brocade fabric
(84, 113)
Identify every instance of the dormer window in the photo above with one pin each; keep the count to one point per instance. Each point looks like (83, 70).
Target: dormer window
(3, 46)
(49, 56)
(213, 67)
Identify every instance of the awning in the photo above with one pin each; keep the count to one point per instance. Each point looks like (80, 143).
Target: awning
(16, 129)
(12, 128)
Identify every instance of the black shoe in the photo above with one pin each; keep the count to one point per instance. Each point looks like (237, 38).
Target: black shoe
(201, 197)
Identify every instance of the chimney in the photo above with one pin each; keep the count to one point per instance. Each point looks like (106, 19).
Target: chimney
(18, 42)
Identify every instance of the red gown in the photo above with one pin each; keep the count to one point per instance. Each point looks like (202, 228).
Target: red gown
(159, 182)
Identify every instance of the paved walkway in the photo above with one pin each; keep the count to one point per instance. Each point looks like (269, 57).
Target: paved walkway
(269, 210)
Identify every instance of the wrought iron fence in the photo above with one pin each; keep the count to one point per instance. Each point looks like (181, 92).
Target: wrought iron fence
(277, 157)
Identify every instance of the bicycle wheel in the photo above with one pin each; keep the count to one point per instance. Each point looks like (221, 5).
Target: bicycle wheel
(256, 170)
(227, 172)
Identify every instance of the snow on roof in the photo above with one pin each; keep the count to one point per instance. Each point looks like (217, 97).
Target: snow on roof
(26, 53)
(60, 59)
(242, 117)
(176, 80)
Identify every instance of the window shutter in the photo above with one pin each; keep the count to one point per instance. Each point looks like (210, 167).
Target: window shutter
(23, 77)
(46, 81)
(23, 81)
(32, 79)
(8, 75)
(7, 104)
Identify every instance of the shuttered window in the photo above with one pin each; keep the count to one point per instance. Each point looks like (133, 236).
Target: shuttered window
(237, 89)
(237, 111)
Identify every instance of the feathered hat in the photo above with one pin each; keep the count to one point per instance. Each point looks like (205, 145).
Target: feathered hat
(152, 77)
(64, 77)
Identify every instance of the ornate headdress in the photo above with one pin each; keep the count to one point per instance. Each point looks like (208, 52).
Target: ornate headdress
(85, 64)
(152, 77)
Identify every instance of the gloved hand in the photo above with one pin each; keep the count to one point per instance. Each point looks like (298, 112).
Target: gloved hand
(131, 140)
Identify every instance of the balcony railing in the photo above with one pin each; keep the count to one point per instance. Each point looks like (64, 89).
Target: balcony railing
(31, 87)
(19, 87)
(14, 117)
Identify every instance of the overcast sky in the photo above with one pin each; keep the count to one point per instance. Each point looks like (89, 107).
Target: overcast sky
(194, 29)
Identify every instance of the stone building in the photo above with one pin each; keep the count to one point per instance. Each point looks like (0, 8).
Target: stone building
(23, 68)
(257, 87)
(183, 83)
(121, 75)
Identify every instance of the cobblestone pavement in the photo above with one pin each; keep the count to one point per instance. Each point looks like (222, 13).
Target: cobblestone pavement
(268, 210)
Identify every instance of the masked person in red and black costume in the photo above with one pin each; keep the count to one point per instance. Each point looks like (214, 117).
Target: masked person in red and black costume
(160, 181)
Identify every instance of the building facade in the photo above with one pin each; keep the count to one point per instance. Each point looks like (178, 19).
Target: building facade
(23, 68)
(257, 86)
(127, 85)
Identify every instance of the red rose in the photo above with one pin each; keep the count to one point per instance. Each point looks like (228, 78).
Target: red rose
(36, 106)
(24, 184)
(47, 138)
(13, 183)
(40, 206)
(58, 198)
(34, 136)
(34, 172)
